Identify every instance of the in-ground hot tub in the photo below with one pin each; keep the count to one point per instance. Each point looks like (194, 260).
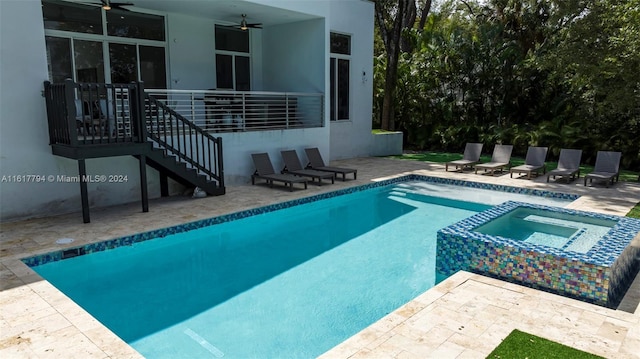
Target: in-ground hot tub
(579, 254)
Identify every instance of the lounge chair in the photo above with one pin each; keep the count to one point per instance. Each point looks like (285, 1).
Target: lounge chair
(607, 167)
(316, 163)
(293, 166)
(470, 157)
(265, 171)
(568, 165)
(533, 162)
(499, 160)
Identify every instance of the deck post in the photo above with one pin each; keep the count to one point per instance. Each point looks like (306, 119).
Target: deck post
(84, 194)
(138, 110)
(70, 103)
(143, 183)
(219, 167)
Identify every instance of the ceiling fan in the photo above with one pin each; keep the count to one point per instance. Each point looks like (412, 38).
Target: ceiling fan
(108, 5)
(244, 25)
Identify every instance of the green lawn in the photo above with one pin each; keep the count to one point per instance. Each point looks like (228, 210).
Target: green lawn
(379, 131)
(521, 345)
(635, 211)
(442, 157)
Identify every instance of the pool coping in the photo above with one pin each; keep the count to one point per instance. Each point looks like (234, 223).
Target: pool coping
(163, 232)
(29, 301)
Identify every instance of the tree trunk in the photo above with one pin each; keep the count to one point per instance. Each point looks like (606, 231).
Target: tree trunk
(392, 43)
(424, 14)
(391, 76)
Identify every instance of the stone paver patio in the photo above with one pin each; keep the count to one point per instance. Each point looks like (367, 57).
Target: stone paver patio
(465, 316)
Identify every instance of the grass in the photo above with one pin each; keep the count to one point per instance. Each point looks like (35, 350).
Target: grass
(378, 131)
(635, 211)
(442, 157)
(521, 345)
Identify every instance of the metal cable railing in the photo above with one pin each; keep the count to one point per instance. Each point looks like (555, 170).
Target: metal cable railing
(233, 111)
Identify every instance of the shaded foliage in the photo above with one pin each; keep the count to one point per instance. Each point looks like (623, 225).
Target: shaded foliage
(563, 74)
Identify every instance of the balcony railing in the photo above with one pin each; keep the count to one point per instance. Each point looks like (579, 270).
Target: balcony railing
(232, 111)
(92, 113)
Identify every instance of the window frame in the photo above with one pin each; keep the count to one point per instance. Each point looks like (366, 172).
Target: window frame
(106, 39)
(334, 59)
(233, 55)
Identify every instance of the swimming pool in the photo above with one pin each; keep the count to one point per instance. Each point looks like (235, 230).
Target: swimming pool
(283, 281)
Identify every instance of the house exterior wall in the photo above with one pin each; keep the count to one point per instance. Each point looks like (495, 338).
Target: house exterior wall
(238, 148)
(353, 138)
(24, 138)
(297, 65)
(277, 64)
(191, 52)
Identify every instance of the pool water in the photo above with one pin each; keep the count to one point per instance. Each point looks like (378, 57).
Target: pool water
(291, 283)
(477, 195)
(558, 230)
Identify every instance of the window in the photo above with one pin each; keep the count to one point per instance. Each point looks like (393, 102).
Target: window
(233, 61)
(135, 25)
(152, 67)
(59, 58)
(123, 59)
(89, 61)
(339, 72)
(129, 46)
(67, 16)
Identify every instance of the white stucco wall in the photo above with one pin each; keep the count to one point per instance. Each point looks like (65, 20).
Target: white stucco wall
(353, 138)
(297, 64)
(24, 140)
(238, 148)
(191, 52)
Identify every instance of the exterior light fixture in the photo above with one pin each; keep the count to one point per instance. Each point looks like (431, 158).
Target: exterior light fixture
(106, 5)
(243, 23)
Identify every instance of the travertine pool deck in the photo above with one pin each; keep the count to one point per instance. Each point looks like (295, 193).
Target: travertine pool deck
(465, 316)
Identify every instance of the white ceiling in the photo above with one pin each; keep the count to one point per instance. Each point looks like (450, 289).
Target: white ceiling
(229, 11)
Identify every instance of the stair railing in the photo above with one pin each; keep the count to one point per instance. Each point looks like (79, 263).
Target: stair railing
(183, 139)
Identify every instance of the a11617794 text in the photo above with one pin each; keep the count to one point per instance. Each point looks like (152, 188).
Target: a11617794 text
(32, 178)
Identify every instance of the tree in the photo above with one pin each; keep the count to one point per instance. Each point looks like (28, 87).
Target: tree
(556, 73)
(392, 17)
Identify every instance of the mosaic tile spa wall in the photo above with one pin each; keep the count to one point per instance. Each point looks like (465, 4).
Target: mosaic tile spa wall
(601, 275)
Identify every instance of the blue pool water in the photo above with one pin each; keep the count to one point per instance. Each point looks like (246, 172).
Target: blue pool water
(291, 283)
(558, 230)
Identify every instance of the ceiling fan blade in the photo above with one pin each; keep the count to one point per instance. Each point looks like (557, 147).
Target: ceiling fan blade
(113, 5)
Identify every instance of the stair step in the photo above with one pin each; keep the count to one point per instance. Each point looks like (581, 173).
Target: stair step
(176, 167)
